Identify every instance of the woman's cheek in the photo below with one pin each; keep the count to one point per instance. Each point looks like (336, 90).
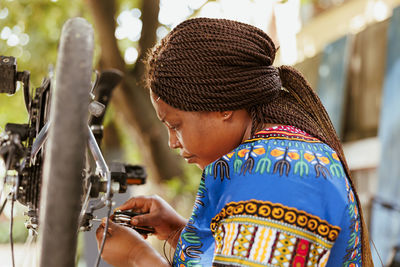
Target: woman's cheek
(180, 138)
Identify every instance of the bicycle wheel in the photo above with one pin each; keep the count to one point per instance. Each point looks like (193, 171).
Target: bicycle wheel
(61, 191)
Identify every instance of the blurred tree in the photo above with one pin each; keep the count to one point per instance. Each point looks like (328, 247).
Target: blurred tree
(131, 99)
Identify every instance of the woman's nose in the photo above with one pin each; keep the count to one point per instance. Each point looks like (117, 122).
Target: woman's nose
(173, 141)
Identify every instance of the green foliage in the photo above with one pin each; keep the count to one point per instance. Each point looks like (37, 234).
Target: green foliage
(37, 26)
(181, 191)
(187, 184)
(42, 21)
(20, 233)
(12, 109)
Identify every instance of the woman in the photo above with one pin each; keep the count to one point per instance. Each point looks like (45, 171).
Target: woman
(275, 188)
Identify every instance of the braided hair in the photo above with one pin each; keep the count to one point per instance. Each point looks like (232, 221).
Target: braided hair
(207, 64)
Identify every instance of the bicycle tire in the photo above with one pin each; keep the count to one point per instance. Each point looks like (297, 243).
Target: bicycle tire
(61, 191)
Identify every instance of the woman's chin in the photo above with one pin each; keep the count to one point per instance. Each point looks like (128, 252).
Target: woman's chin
(202, 165)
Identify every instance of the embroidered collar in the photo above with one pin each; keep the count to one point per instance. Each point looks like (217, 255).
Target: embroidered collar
(287, 132)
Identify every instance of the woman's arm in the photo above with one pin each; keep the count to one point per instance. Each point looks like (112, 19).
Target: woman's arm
(124, 247)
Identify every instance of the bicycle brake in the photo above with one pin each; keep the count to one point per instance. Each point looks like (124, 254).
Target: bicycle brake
(124, 217)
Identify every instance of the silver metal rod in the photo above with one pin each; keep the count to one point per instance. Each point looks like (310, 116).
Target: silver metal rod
(40, 140)
(101, 163)
(97, 155)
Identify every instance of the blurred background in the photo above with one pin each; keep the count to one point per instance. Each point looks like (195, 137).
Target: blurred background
(347, 49)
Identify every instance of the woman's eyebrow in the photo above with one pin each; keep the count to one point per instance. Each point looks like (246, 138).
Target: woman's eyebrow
(165, 122)
(161, 117)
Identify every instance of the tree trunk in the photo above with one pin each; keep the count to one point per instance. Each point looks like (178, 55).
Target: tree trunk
(131, 99)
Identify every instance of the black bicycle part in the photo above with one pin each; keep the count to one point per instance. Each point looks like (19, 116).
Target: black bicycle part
(30, 173)
(108, 80)
(9, 77)
(127, 174)
(121, 173)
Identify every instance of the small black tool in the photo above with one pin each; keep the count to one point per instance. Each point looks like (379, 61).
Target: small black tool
(124, 217)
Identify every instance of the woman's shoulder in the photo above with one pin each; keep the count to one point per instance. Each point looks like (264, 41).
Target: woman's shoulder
(281, 166)
(284, 181)
(279, 151)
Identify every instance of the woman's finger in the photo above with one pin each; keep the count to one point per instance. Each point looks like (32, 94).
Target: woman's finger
(143, 220)
(99, 231)
(137, 203)
(110, 230)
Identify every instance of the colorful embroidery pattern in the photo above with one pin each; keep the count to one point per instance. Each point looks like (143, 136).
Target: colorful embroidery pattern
(278, 214)
(261, 233)
(188, 250)
(281, 156)
(353, 251)
(283, 132)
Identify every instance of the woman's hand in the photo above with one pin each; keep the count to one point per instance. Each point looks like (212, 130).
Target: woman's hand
(159, 215)
(124, 247)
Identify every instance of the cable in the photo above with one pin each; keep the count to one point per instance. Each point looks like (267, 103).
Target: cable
(103, 241)
(11, 231)
(376, 250)
(389, 206)
(3, 205)
(2, 191)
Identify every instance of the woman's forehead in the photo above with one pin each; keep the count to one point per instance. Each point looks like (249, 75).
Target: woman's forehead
(153, 96)
(166, 112)
(163, 110)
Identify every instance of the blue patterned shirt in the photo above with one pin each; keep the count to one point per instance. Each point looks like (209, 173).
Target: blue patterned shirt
(281, 198)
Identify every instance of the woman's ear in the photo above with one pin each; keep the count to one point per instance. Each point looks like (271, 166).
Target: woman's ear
(226, 115)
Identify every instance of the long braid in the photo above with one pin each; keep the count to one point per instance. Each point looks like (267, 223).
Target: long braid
(306, 97)
(299, 106)
(216, 65)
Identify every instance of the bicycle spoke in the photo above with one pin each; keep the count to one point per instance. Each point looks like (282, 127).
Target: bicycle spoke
(85, 204)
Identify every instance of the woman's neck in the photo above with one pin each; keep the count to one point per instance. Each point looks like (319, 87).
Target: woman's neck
(247, 133)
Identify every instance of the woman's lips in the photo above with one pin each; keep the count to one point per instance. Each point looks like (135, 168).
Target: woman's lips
(189, 158)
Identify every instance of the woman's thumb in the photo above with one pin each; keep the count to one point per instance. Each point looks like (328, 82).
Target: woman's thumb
(142, 220)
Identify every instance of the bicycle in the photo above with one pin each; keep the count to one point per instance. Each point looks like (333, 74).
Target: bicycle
(54, 164)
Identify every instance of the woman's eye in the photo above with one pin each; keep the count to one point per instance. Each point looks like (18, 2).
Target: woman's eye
(171, 126)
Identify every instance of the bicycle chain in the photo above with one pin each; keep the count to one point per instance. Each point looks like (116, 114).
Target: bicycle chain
(30, 176)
